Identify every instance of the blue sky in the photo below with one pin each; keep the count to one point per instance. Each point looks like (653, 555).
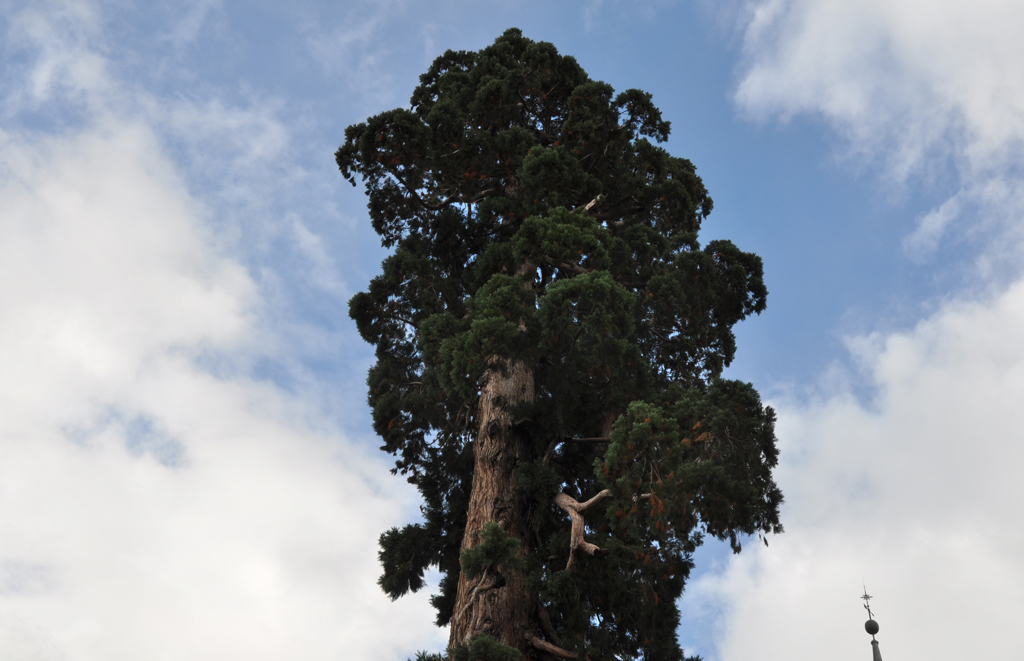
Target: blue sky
(188, 467)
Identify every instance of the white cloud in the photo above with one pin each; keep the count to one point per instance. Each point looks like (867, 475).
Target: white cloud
(320, 265)
(915, 489)
(150, 508)
(916, 492)
(916, 85)
(57, 35)
(354, 49)
(922, 73)
(186, 29)
(931, 227)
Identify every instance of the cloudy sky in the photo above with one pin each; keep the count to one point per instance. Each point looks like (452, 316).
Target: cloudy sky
(187, 469)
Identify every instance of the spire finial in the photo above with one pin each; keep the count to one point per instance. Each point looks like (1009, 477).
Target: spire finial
(871, 626)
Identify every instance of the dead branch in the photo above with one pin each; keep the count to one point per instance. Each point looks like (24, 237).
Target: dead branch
(588, 206)
(576, 539)
(604, 493)
(549, 648)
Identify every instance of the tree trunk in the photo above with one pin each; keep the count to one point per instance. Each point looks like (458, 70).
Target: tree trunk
(502, 612)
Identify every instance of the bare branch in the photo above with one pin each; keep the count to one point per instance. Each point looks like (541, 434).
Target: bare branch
(589, 205)
(601, 495)
(576, 536)
(554, 650)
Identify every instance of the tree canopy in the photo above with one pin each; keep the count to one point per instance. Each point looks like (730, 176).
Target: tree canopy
(550, 337)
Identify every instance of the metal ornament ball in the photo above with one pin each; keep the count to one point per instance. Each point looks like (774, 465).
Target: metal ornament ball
(871, 627)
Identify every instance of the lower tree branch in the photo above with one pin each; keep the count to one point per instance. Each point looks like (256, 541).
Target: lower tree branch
(554, 650)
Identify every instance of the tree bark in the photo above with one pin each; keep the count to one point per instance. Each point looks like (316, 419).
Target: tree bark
(502, 612)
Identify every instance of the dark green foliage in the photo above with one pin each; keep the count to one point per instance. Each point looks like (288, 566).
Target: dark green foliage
(495, 550)
(533, 219)
(702, 456)
(428, 656)
(483, 648)
(405, 554)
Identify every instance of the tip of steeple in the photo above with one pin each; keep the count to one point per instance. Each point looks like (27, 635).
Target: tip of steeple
(871, 627)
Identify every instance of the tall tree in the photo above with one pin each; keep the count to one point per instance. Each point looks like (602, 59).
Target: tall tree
(550, 337)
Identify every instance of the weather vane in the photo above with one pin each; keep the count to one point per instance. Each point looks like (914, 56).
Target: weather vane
(867, 603)
(871, 626)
